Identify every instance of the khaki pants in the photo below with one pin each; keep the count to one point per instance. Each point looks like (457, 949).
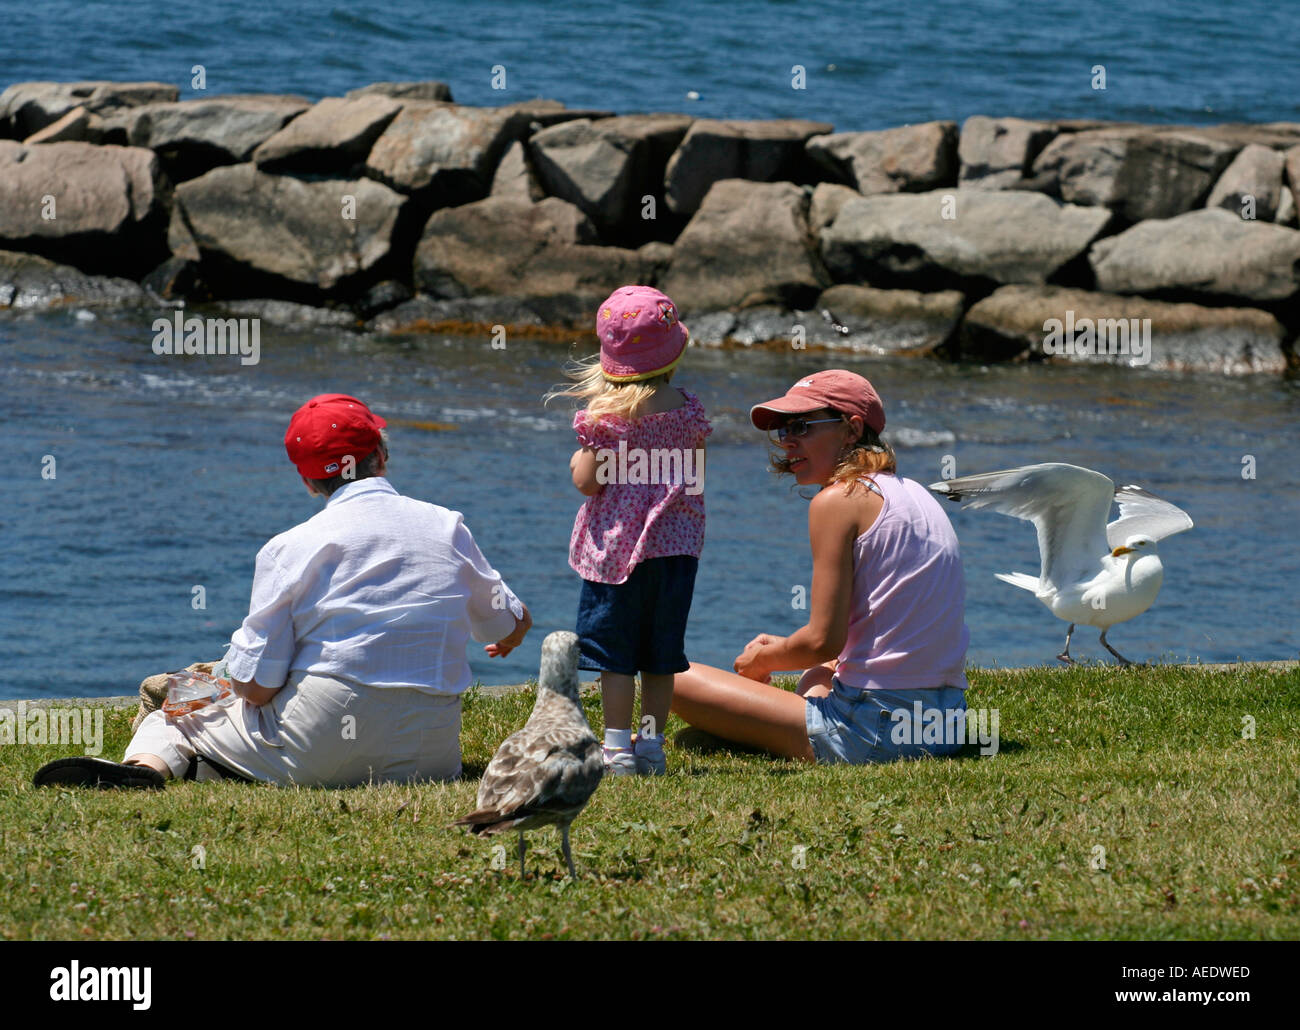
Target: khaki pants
(316, 731)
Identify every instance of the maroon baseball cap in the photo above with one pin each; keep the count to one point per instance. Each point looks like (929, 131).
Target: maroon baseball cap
(327, 429)
(842, 391)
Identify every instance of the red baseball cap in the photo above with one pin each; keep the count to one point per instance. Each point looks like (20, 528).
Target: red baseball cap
(640, 334)
(328, 428)
(840, 390)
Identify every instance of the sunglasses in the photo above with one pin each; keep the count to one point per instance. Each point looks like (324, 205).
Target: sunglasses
(799, 427)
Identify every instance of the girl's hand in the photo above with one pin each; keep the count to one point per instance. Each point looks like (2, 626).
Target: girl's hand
(752, 663)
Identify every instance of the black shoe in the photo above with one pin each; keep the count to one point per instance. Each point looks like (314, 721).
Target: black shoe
(97, 772)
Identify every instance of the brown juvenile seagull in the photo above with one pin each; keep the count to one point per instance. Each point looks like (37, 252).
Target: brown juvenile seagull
(546, 772)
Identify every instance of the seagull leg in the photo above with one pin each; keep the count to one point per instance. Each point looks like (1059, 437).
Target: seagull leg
(1064, 656)
(1122, 659)
(564, 843)
(521, 854)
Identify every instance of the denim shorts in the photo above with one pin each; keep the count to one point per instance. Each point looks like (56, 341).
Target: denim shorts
(638, 625)
(860, 726)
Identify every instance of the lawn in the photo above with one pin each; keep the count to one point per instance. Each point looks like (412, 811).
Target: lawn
(1121, 804)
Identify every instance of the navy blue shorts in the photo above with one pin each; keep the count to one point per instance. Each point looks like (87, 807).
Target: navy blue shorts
(638, 625)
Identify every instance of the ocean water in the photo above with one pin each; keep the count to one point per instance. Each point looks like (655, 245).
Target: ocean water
(170, 473)
(866, 65)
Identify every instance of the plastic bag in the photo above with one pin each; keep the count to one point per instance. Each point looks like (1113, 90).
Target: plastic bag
(189, 691)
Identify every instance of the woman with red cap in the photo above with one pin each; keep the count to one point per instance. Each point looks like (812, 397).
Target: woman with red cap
(883, 654)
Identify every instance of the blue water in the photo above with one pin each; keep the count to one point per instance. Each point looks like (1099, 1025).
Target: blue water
(171, 473)
(867, 65)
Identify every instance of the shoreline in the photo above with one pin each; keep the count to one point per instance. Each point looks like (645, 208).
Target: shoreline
(593, 686)
(395, 210)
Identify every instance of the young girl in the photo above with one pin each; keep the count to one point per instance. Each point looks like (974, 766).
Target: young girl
(636, 541)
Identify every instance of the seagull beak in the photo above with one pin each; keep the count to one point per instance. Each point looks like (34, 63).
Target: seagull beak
(1121, 550)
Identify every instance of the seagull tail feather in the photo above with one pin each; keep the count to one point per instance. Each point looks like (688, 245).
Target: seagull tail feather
(487, 821)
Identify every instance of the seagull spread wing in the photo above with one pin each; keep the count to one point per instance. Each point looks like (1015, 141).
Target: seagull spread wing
(1068, 506)
(1145, 514)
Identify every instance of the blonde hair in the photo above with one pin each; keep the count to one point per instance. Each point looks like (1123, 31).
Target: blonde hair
(601, 396)
(869, 455)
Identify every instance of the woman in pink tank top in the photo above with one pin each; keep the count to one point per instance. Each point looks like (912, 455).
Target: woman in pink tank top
(883, 654)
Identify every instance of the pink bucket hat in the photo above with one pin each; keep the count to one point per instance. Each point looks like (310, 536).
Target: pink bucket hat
(836, 388)
(640, 334)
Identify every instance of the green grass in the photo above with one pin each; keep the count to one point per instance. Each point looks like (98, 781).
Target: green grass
(1200, 830)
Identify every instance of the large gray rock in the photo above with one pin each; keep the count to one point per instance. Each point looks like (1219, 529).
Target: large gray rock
(1018, 322)
(909, 159)
(29, 282)
(509, 246)
(1254, 178)
(333, 135)
(289, 313)
(891, 321)
(1286, 210)
(515, 177)
(714, 150)
(1138, 173)
(999, 153)
(1210, 252)
(1291, 166)
(1003, 237)
(195, 136)
(607, 167)
(26, 107)
(1278, 135)
(257, 230)
(443, 152)
(885, 323)
(103, 209)
(428, 90)
(425, 314)
(543, 113)
(827, 200)
(748, 244)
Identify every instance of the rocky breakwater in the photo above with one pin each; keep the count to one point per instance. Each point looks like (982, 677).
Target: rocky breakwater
(396, 209)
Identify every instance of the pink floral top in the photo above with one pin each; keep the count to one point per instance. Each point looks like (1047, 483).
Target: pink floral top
(652, 504)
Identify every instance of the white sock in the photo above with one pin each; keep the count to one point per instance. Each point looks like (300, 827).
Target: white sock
(618, 740)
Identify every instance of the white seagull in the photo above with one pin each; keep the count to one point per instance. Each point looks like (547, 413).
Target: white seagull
(1093, 572)
(545, 772)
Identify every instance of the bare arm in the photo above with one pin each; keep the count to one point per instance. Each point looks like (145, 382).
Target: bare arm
(583, 465)
(833, 521)
(252, 692)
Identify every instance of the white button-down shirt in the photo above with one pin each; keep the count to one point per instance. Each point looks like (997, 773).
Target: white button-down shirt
(376, 588)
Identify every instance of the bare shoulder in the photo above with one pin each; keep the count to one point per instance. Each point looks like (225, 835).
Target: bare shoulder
(838, 507)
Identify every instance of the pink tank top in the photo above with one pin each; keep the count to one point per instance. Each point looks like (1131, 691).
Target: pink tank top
(907, 628)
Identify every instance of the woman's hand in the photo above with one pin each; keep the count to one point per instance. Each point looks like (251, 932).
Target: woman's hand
(755, 662)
